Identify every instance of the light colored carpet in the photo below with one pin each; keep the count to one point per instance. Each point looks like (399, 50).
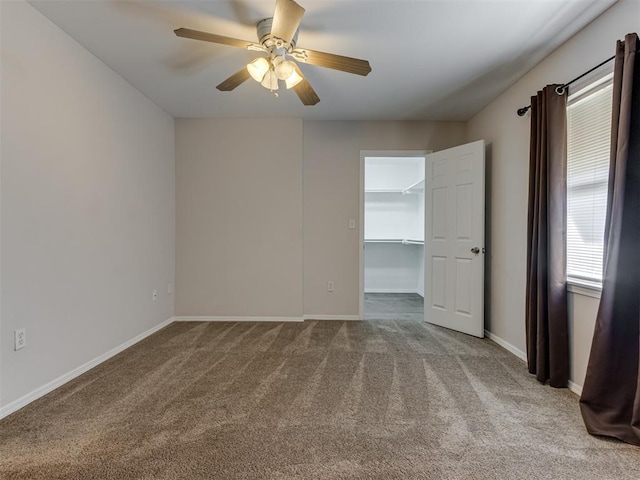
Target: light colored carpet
(316, 400)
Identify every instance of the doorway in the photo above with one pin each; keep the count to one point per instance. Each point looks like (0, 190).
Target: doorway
(393, 213)
(452, 233)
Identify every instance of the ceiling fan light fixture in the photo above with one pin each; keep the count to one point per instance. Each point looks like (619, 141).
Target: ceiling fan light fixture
(293, 80)
(283, 67)
(277, 37)
(258, 68)
(270, 81)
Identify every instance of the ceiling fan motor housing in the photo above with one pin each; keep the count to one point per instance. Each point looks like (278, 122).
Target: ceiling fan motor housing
(270, 42)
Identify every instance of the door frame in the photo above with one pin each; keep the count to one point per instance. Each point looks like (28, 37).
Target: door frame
(375, 153)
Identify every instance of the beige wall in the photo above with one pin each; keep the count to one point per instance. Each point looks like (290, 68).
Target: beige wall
(87, 198)
(508, 136)
(250, 202)
(582, 316)
(332, 197)
(239, 217)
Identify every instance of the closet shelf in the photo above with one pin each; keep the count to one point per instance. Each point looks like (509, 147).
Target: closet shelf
(384, 190)
(403, 241)
(412, 242)
(415, 188)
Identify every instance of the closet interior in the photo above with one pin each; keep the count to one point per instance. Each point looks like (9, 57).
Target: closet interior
(394, 213)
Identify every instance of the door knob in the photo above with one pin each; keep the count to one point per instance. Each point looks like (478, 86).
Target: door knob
(475, 250)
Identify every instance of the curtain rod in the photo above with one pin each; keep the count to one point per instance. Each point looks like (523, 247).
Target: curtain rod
(561, 89)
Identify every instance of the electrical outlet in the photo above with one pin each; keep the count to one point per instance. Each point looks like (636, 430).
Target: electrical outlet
(170, 288)
(19, 339)
(154, 295)
(329, 286)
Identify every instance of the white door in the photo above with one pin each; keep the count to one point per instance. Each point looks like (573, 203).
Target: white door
(454, 238)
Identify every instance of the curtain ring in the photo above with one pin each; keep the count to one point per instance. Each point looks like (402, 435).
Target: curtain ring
(560, 90)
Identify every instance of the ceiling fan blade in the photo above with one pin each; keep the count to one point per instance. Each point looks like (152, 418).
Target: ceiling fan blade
(286, 19)
(212, 37)
(330, 60)
(305, 91)
(234, 80)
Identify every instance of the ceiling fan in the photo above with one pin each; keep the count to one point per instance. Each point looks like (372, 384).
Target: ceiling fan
(277, 38)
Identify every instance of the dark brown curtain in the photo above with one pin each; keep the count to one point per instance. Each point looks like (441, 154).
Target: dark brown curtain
(610, 401)
(546, 307)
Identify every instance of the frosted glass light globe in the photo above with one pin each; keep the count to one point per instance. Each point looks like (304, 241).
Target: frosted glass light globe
(293, 80)
(258, 68)
(283, 68)
(270, 81)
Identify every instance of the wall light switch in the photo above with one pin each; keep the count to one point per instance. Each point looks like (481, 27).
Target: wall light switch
(154, 295)
(170, 288)
(352, 224)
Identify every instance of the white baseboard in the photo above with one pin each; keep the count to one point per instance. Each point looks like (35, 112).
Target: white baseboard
(575, 388)
(76, 372)
(236, 319)
(391, 290)
(506, 345)
(332, 317)
(264, 319)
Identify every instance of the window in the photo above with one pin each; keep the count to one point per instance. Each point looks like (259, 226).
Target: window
(588, 142)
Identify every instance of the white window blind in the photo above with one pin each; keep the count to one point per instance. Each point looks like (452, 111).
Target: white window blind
(588, 142)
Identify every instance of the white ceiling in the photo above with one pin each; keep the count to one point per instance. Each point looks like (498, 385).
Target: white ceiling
(431, 60)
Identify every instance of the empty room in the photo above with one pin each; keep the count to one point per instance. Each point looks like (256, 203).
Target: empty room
(277, 239)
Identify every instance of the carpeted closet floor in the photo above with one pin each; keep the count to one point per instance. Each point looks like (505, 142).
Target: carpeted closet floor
(380, 399)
